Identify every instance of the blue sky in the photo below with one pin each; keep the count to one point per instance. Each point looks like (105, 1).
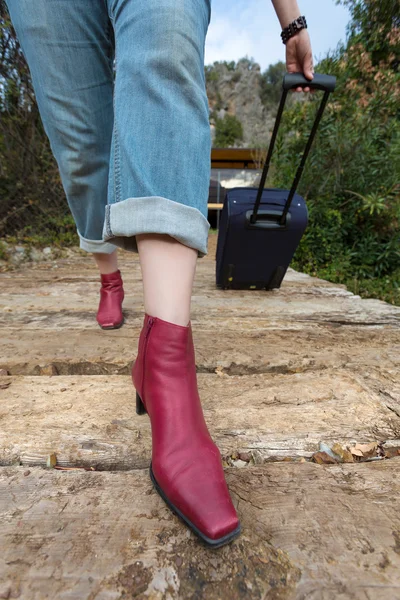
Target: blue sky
(251, 27)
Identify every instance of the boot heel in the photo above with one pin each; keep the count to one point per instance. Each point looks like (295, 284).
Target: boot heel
(140, 409)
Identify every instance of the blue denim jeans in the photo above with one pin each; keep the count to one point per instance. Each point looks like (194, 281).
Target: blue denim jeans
(133, 152)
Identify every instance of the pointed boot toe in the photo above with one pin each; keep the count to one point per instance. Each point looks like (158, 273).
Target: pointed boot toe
(199, 495)
(109, 314)
(186, 468)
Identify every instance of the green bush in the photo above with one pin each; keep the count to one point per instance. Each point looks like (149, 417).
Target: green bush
(31, 193)
(231, 65)
(271, 84)
(351, 181)
(211, 74)
(227, 131)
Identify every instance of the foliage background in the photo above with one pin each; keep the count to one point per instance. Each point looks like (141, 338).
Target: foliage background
(351, 181)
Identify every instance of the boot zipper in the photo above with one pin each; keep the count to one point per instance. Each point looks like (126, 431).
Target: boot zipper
(149, 326)
(150, 323)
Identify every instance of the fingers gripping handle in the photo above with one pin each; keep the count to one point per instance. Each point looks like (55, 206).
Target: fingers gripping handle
(320, 81)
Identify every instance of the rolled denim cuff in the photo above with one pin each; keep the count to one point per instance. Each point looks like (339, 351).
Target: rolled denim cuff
(155, 214)
(95, 245)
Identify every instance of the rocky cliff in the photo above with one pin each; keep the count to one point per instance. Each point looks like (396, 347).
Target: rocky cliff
(241, 90)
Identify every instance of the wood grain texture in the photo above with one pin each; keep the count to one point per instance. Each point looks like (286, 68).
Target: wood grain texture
(309, 531)
(91, 420)
(279, 372)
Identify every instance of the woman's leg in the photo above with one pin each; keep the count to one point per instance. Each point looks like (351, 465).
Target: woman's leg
(158, 206)
(106, 263)
(186, 467)
(168, 269)
(69, 48)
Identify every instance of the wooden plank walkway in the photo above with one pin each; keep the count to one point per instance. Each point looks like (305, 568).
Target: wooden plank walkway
(280, 373)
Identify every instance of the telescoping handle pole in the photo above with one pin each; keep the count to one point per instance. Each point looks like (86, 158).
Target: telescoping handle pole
(291, 80)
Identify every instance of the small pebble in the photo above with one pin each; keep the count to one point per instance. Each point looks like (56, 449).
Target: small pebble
(246, 456)
(239, 463)
(325, 448)
(26, 473)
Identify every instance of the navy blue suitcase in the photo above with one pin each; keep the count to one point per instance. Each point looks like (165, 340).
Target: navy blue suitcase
(261, 228)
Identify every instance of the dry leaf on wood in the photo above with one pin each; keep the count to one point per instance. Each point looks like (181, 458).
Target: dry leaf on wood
(391, 452)
(366, 450)
(356, 452)
(323, 458)
(343, 453)
(220, 371)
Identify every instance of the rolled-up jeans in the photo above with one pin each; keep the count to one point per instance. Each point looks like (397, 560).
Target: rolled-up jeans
(133, 151)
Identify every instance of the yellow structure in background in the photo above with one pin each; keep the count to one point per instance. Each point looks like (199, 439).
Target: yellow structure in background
(236, 158)
(231, 167)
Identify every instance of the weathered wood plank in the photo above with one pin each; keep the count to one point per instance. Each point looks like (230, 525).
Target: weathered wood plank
(266, 350)
(307, 324)
(38, 308)
(278, 373)
(33, 297)
(91, 421)
(309, 531)
(110, 536)
(340, 525)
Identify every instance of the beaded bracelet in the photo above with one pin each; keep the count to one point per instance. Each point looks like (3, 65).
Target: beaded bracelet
(293, 28)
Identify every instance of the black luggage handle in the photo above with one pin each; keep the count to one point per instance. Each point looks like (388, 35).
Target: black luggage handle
(290, 80)
(320, 81)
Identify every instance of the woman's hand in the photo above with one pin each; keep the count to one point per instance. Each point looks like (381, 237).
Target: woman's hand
(299, 57)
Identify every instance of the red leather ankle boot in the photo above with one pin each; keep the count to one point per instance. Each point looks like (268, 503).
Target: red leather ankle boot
(186, 467)
(109, 314)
